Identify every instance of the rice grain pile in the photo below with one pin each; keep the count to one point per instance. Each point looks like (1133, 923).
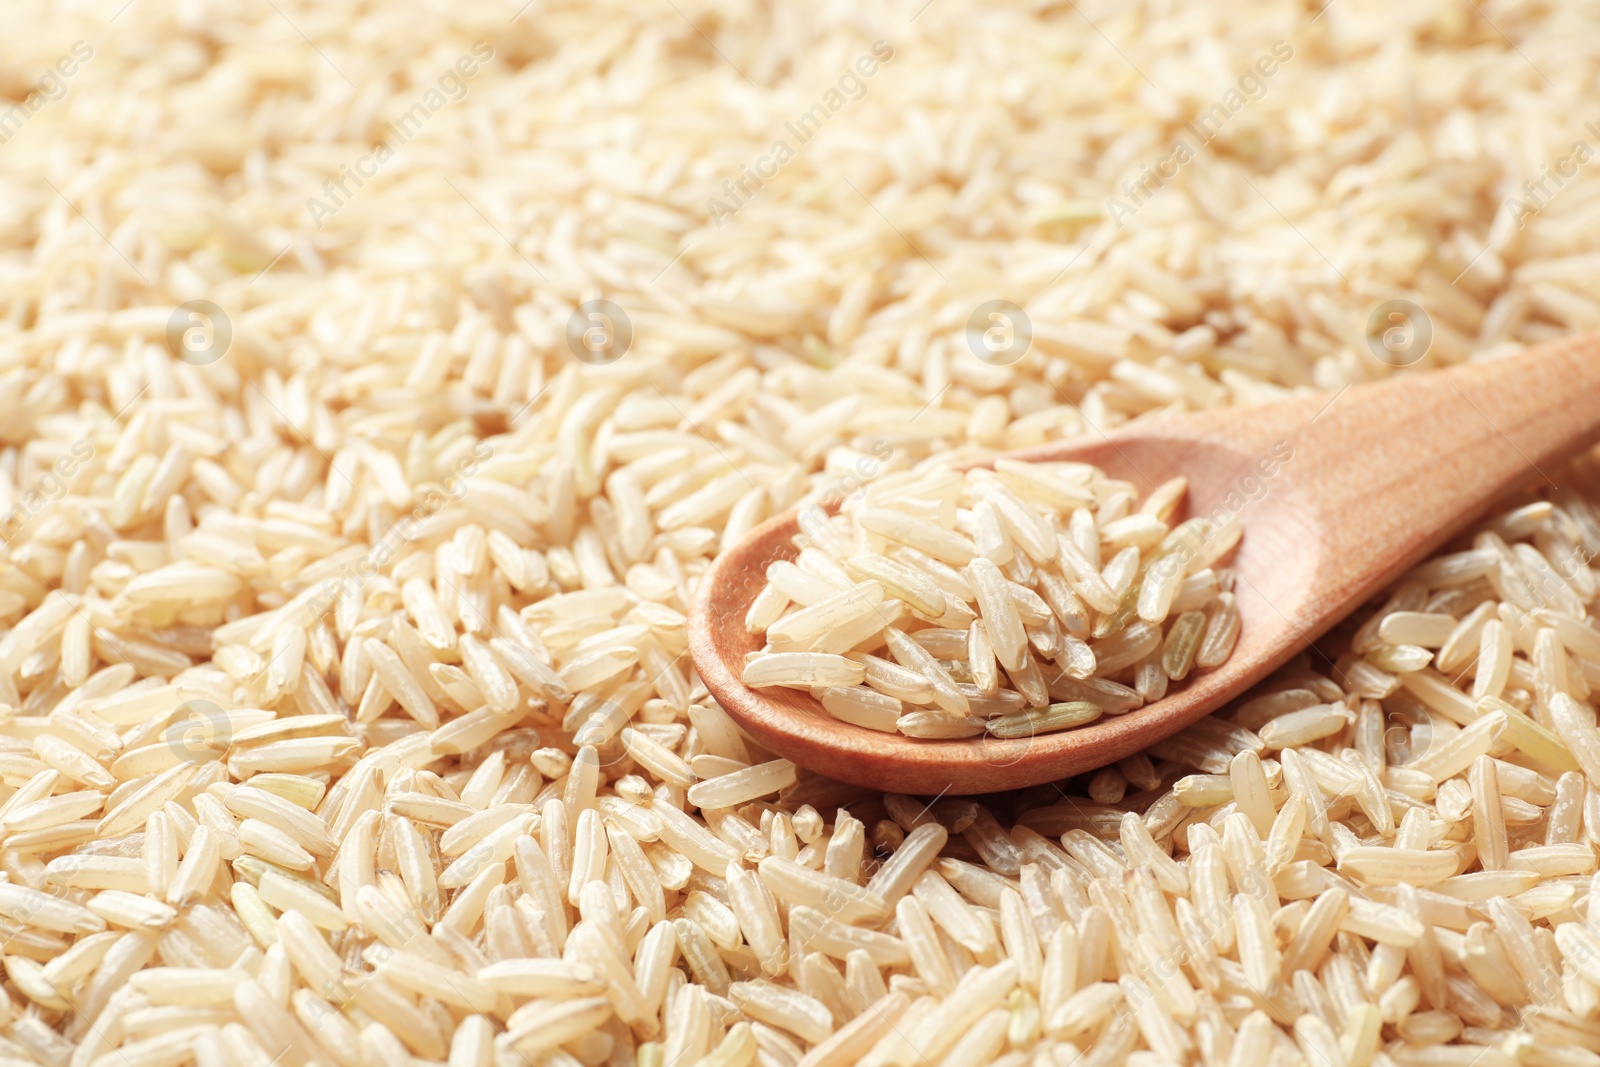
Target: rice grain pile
(933, 586)
(345, 716)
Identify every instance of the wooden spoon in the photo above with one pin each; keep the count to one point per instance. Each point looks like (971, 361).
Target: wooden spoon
(1338, 496)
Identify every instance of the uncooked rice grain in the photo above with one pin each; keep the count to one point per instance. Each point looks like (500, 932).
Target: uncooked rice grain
(345, 708)
(1020, 523)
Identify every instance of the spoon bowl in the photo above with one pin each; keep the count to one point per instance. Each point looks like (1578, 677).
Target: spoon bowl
(1338, 496)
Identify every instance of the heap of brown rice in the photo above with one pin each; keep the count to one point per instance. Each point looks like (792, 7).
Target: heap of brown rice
(344, 711)
(948, 605)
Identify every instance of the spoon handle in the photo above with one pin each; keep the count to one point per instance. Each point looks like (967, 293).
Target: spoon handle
(1375, 478)
(1418, 461)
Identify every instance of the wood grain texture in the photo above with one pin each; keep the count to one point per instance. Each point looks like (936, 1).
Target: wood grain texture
(1375, 479)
